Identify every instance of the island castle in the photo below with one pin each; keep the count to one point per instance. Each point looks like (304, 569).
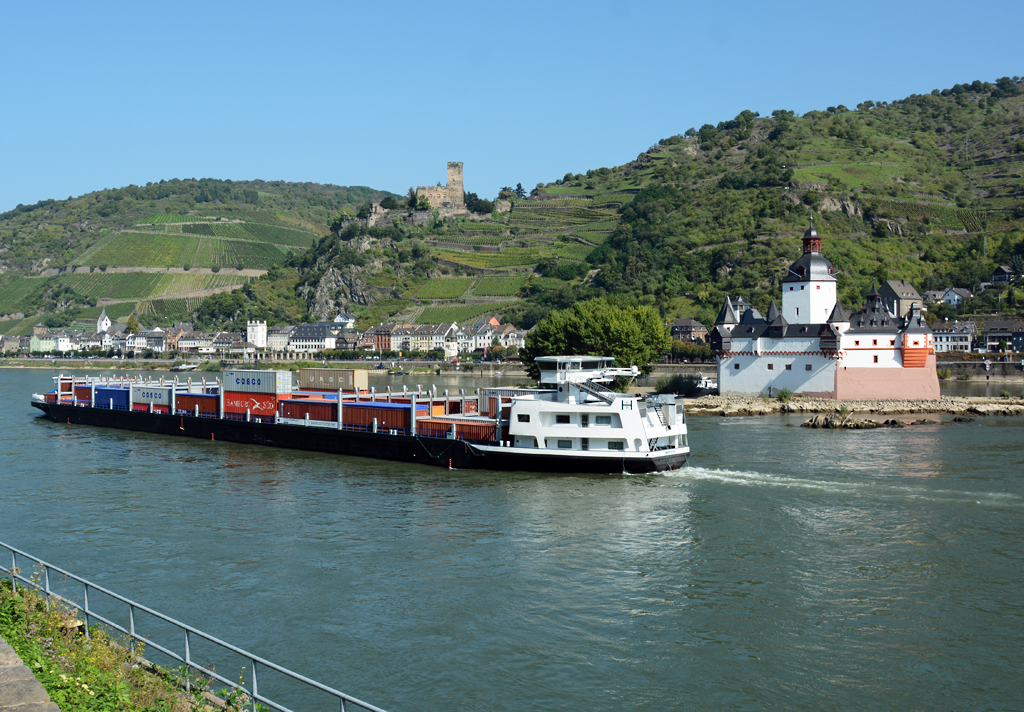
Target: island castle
(815, 347)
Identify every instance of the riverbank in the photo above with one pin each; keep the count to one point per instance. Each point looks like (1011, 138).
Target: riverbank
(958, 405)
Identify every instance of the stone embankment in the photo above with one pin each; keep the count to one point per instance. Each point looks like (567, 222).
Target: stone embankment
(19, 689)
(961, 405)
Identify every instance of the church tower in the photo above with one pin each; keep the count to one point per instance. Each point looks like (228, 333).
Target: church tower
(809, 287)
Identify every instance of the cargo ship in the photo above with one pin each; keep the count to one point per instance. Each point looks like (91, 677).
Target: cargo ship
(573, 423)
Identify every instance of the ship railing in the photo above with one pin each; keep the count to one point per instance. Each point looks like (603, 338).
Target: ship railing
(381, 429)
(596, 389)
(190, 636)
(192, 413)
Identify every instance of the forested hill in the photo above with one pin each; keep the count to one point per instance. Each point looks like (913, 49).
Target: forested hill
(55, 233)
(928, 188)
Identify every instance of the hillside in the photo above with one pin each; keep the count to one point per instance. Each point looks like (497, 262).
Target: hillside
(162, 248)
(929, 188)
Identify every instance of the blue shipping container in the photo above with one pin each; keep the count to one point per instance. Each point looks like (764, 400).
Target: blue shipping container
(118, 395)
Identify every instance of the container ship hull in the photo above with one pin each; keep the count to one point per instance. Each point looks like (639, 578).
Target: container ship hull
(382, 445)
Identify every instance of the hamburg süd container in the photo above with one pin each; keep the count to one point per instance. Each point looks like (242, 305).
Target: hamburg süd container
(253, 381)
(254, 403)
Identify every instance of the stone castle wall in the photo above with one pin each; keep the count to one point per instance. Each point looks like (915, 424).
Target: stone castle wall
(452, 193)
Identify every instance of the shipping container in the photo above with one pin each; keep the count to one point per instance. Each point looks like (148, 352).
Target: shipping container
(388, 415)
(317, 410)
(333, 379)
(83, 393)
(119, 396)
(264, 382)
(144, 408)
(187, 402)
(435, 428)
(158, 395)
(254, 403)
(471, 406)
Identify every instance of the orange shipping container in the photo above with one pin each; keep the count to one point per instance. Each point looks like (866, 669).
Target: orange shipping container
(188, 401)
(83, 393)
(316, 409)
(463, 430)
(254, 403)
(144, 408)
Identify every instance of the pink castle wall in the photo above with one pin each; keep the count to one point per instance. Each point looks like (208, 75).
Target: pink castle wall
(869, 383)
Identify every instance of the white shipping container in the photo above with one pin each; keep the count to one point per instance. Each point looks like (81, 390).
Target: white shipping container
(268, 382)
(157, 395)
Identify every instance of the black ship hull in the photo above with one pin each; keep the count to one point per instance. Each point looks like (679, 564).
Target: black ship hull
(440, 452)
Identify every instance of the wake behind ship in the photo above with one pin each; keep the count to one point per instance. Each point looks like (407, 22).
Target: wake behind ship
(574, 424)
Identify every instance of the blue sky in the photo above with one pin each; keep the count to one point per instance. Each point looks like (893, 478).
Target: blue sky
(103, 95)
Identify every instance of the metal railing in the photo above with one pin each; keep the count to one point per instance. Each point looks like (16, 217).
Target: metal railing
(189, 634)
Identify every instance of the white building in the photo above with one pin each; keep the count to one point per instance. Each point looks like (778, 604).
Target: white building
(256, 333)
(823, 351)
(103, 323)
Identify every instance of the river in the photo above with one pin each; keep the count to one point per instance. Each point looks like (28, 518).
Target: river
(783, 569)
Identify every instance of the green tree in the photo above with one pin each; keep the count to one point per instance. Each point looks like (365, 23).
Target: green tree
(133, 325)
(423, 203)
(607, 326)
(389, 203)
(520, 191)
(410, 199)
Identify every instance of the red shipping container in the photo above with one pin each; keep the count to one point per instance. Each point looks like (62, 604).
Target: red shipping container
(188, 402)
(144, 408)
(463, 430)
(83, 393)
(471, 406)
(254, 403)
(317, 410)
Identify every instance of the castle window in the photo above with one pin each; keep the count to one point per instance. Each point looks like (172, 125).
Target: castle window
(892, 342)
(736, 366)
(876, 359)
(874, 342)
(771, 367)
(801, 287)
(789, 367)
(798, 311)
(856, 343)
(807, 367)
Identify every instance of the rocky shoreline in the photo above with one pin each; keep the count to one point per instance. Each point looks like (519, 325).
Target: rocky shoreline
(958, 405)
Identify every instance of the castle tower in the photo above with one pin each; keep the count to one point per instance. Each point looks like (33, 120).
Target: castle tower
(809, 287)
(256, 333)
(455, 187)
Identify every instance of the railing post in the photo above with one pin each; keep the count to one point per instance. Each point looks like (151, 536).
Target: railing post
(14, 571)
(46, 581)
(131, 621)
(85, 609)
(188, 663)
(255, 690)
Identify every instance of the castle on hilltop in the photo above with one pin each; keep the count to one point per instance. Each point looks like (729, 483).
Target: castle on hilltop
(813, 346)
(450, 196)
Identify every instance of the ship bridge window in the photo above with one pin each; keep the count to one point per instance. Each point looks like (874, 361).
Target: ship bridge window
(603, 419)
(616, 445)
(565, 444)
(562, 419)
(523, 417)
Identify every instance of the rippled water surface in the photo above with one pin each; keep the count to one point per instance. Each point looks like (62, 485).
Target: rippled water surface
(783, 569)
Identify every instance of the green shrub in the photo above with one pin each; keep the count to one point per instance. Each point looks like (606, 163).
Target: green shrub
(1004, 393)
(686, 386)
(785, 395)
(943, 373)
